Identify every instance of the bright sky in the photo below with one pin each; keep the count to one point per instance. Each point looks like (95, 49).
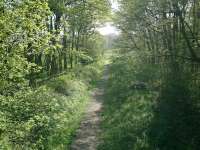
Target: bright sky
(108, 28)
(115, 5)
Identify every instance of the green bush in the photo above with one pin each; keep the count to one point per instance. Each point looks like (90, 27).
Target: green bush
(46, 117)
(28, 120)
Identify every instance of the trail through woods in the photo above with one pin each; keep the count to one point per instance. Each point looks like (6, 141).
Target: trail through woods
(87, 134)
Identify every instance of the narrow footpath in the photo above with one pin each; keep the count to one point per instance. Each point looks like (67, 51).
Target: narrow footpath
(87, 134)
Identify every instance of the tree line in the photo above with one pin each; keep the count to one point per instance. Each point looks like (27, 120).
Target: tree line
(162, 37)
(49, 51)
(43, 38)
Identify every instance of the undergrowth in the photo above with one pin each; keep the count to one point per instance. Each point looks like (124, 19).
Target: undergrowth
(146, 108)
(127, 110)
(46, 118)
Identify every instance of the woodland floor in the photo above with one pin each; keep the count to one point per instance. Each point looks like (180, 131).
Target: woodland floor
(87, 135)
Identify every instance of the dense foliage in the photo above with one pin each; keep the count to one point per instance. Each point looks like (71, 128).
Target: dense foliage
(40, 40)
(49, 59)
(162, 41)
(128, 111)
(46, 118)
(147, 109)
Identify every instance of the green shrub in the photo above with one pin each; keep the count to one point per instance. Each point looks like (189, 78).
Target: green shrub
(46, 117)
(28, 120)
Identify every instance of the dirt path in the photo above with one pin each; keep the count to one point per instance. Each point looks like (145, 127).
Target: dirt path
(87, 134)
